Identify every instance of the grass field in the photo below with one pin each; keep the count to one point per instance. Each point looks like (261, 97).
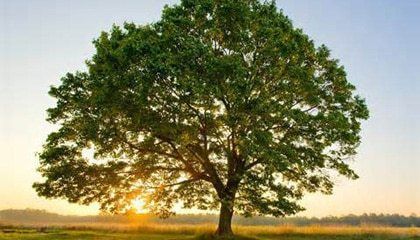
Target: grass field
(180, 232)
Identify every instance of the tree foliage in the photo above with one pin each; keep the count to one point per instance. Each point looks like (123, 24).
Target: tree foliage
(220, 101)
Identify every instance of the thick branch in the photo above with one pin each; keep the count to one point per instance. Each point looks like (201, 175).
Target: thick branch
(208, 167)
(189, 167)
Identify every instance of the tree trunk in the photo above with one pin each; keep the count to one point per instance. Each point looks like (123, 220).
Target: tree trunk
(225, 219)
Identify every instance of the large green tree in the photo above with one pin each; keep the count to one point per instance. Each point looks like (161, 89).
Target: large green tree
(219, 104)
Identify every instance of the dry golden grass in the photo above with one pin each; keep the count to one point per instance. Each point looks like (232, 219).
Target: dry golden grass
(243, 230)
(327, 230)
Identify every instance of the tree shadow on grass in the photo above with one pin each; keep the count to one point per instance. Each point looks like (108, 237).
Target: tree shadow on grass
(215, 237)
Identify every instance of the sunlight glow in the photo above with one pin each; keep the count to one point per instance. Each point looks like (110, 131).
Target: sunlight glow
(139, 205)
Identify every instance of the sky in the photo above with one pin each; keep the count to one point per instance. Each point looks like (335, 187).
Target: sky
(378, 42)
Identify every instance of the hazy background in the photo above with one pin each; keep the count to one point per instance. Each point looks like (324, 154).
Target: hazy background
(378, 41)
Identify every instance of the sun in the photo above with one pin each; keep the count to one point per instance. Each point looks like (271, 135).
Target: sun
(139, 205)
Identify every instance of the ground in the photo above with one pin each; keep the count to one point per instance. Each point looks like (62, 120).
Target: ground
(57, 234)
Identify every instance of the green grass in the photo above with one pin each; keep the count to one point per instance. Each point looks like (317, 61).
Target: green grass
(86, 235)
(33, 234)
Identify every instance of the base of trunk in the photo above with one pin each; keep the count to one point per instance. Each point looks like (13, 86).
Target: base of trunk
(224, 232)
(225, 220)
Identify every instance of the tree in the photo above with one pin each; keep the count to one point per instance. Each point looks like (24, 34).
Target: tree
(219, 104)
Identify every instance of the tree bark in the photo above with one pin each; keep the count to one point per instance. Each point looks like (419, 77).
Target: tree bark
(225, 219)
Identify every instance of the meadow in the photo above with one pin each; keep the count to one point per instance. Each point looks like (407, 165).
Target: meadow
(203, 231)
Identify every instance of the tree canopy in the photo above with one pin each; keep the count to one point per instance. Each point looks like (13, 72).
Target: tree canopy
(219, 104)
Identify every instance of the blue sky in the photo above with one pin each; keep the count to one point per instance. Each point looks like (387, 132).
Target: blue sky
(378, 42)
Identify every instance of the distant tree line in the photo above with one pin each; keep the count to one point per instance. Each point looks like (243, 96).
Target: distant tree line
(30, 216)
(394, 220)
